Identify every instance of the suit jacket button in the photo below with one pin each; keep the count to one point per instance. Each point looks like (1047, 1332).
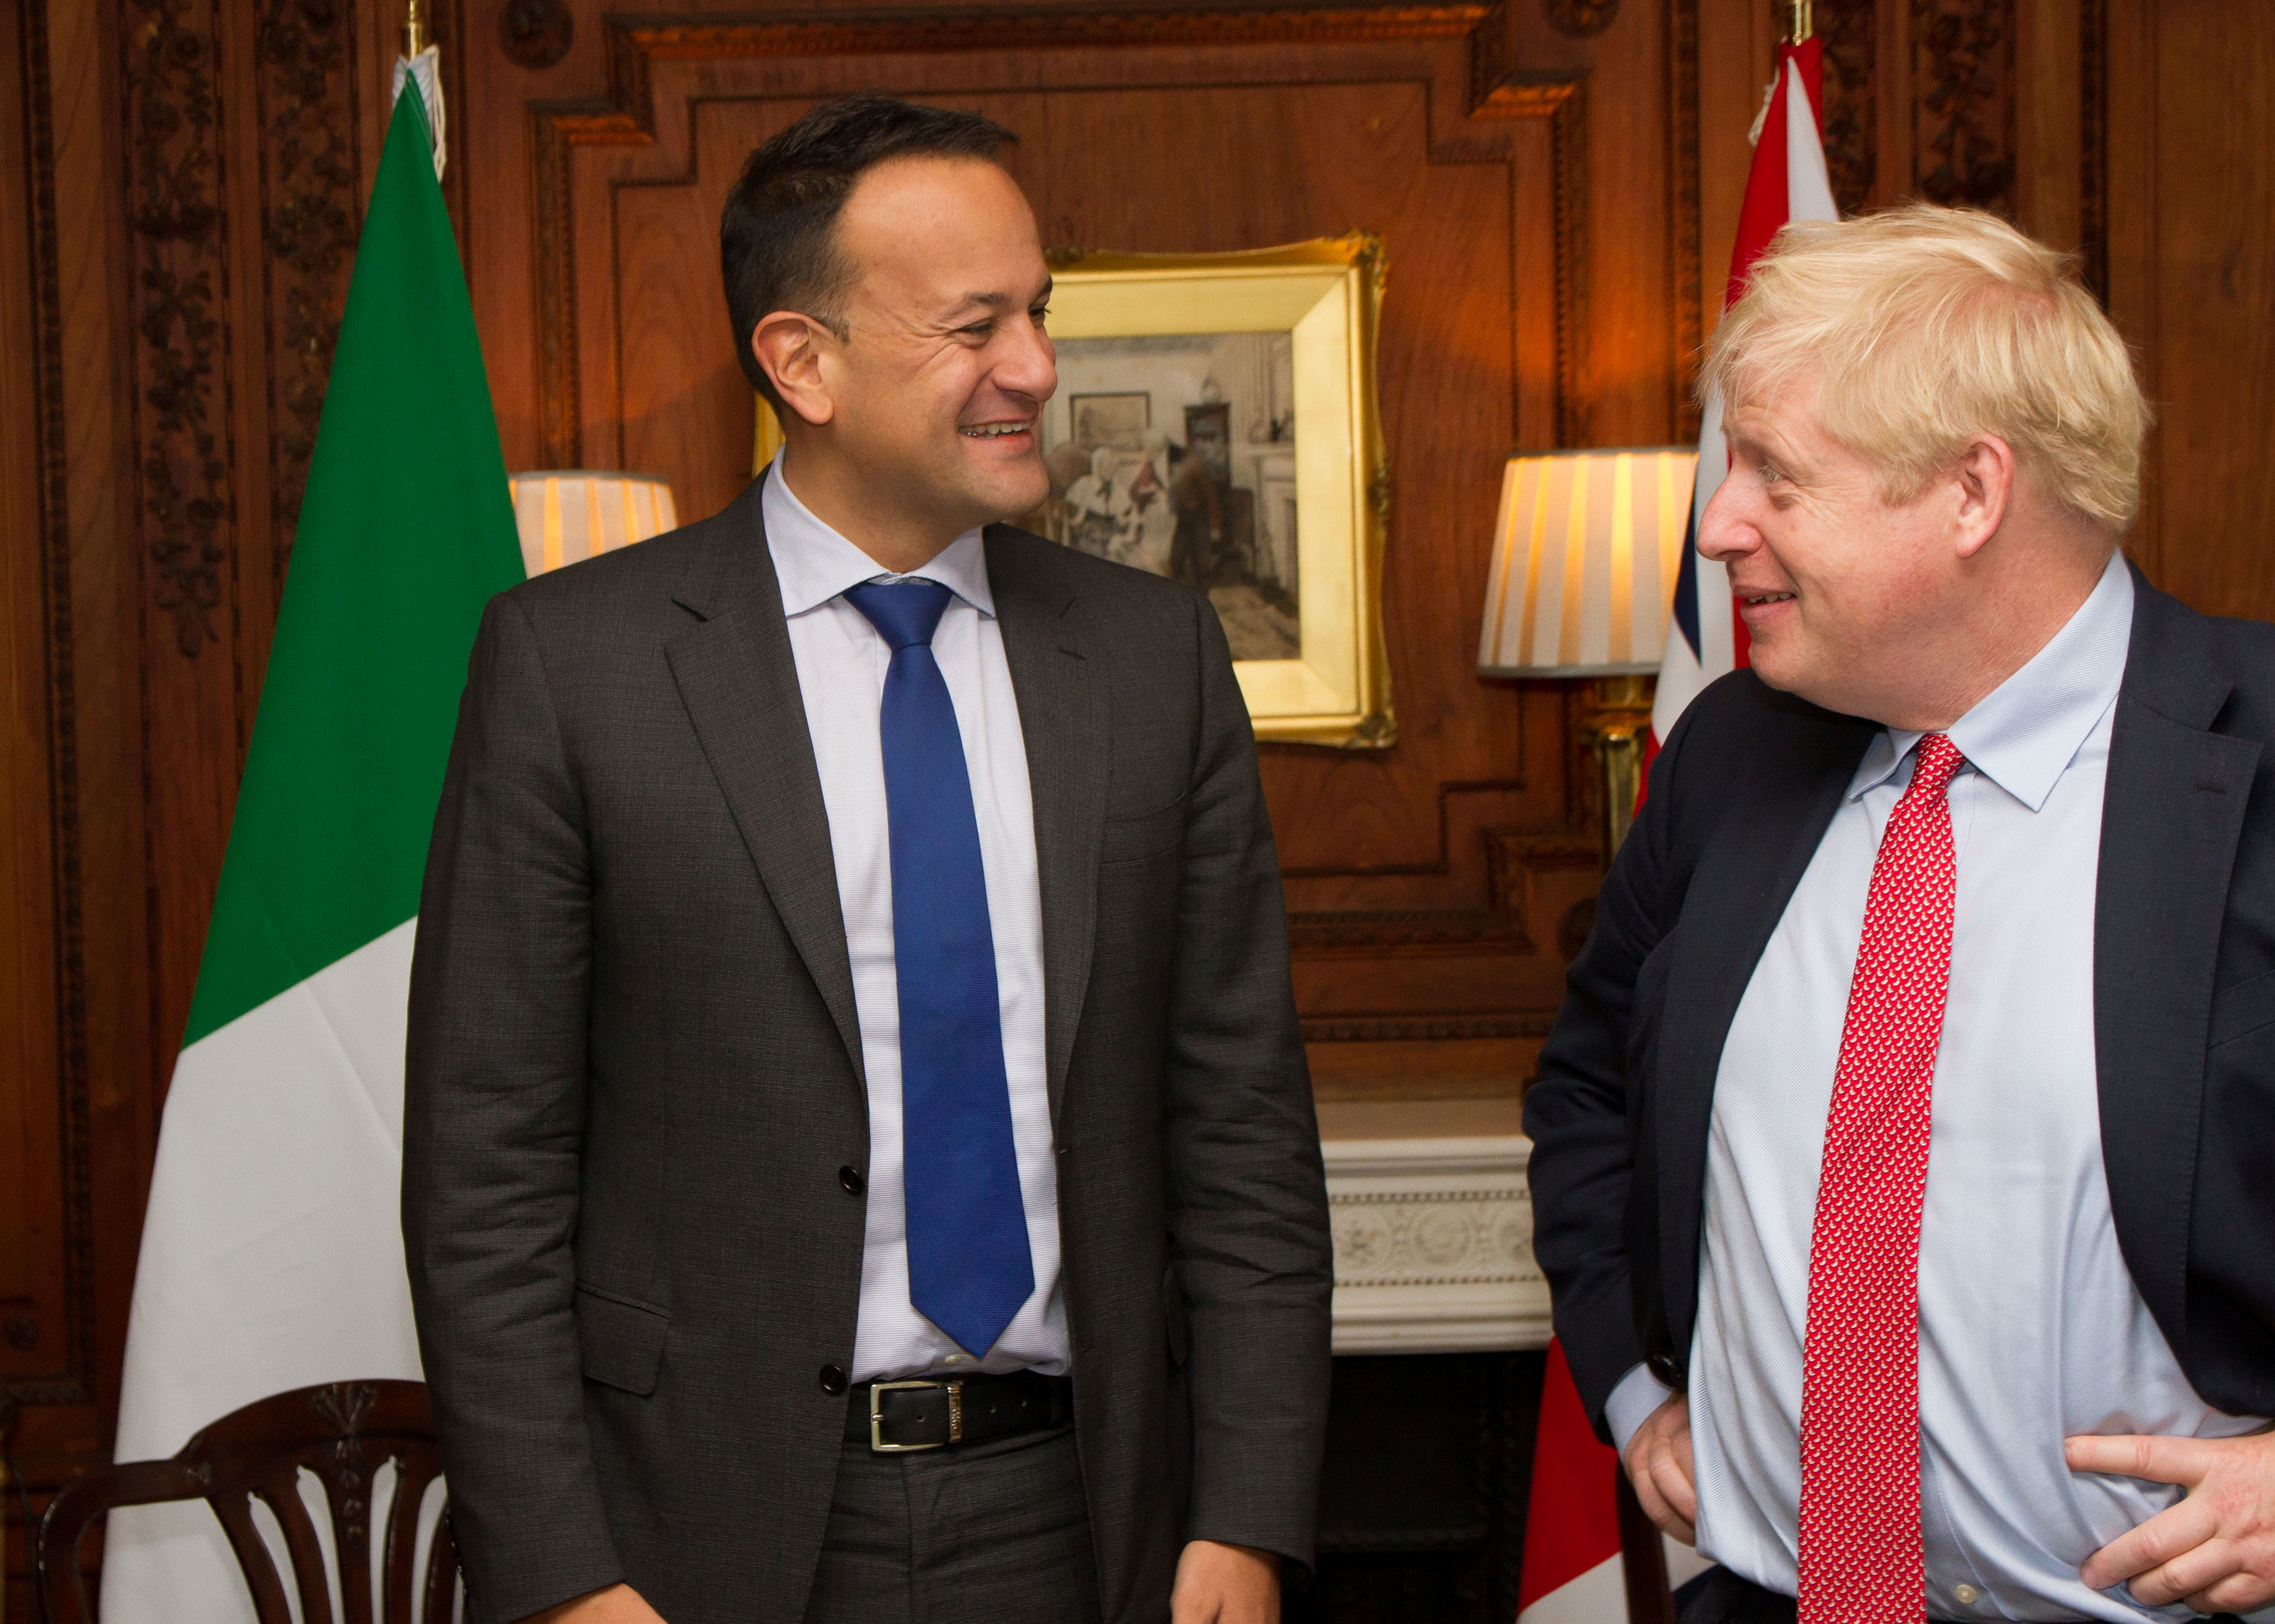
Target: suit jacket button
(1663, 1366)
(833, 1380)
(849, 1176)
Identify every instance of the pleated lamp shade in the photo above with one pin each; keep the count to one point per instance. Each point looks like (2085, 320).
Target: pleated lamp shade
(569, 515)
(1586, 552)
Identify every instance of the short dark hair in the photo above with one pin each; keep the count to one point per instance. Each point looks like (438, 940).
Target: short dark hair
(777, 239)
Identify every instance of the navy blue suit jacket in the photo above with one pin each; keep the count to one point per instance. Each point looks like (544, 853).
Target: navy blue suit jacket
(2184, 1004)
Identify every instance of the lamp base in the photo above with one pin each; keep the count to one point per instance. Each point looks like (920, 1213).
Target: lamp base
(1615, 725)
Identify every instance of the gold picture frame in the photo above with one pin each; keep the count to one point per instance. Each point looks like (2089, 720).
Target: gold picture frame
(1316, 304)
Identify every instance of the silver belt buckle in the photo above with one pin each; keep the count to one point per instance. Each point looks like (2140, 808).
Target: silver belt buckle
(877, 1443)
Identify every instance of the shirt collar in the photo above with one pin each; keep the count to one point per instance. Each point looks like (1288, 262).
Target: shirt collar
(2023, 733)
(814, 563)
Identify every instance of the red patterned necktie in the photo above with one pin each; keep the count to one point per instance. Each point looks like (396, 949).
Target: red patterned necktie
(1860, 1484)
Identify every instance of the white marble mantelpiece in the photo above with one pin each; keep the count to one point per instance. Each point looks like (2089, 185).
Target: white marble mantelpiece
(1433, 1228)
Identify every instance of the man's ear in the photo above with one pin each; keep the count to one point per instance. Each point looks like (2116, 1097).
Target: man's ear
(790, 347)
(1986, 487)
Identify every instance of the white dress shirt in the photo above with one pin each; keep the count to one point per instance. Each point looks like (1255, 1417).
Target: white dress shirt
(841, 661)
(2031, 1328)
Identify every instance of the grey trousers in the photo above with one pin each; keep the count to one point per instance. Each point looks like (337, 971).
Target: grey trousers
(990, 1534)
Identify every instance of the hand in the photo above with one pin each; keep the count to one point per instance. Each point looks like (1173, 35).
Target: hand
(1225, 1584)
(2215, 1549)
(1658, 1460)
(619, 1604)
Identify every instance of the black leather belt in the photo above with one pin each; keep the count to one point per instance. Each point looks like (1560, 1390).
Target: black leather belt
(939, 1412)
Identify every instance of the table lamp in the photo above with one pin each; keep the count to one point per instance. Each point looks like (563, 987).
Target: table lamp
(567, 515)
(1585, 551)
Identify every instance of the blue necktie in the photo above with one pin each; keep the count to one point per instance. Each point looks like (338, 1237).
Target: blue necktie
(970, 1271)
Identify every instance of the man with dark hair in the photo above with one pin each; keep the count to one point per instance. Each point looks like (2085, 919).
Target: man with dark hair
(859, 1161)
(778, 249)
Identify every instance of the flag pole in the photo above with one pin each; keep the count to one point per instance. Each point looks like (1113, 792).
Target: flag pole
(1804, 19)
(414, 33)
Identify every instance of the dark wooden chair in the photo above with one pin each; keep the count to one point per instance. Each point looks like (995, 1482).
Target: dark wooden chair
(344, 1433)
(1643, 1561)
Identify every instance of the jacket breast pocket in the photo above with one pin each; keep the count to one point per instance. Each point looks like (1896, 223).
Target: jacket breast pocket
(1148, 835)
(2242, 1009)
(620, 1341)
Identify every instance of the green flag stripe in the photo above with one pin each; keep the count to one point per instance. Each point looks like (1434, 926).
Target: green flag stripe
(406, 532)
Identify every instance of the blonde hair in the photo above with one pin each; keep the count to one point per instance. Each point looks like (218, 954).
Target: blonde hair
(1924, 327)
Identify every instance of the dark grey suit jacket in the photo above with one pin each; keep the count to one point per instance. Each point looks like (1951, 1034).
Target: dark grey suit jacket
(635, 1071)
(2183, 1004)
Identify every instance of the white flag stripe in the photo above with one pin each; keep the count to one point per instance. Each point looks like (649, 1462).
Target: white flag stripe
(272, 1255)
(1598, 1596)
(1807, 185)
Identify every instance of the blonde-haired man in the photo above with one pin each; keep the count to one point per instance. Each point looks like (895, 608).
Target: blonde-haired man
(1905, 1151)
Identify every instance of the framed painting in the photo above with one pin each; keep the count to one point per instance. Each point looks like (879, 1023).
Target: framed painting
(1257, 473)
(1216, 422)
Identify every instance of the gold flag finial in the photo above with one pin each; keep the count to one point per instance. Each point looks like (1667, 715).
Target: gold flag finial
(1804, 20)
(414, 32)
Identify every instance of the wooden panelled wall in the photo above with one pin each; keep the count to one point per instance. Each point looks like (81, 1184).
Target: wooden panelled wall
(1557, 181)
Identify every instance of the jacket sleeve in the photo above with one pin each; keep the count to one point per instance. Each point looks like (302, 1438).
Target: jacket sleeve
(1580, 1114)
(1247, 1196)
(493, 1113)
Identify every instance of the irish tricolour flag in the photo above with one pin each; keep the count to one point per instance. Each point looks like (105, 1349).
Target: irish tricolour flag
(272, 1257)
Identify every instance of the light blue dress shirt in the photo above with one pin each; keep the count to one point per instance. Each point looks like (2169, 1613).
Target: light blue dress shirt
(842, 662)
(2031, 1326)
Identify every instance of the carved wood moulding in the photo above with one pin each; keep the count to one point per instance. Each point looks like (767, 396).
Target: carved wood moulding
(1682, 76)
(1520, 873)
(1513, 923)
(625, 117)
(1416, 932)
(1581, 19)
(311, 200)
(536, 34)
(178, 219)
(1427, 1027)
(1850, 31)
(307, 188)
(73, 1378)
(1563, 101)
(1440, 862)
(1964, 118)
(1516, 863)
(2093, 144)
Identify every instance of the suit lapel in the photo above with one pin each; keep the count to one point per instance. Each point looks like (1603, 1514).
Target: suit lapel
(732, 661)
(1064, 722)
(1761, 844)
(2171, 814)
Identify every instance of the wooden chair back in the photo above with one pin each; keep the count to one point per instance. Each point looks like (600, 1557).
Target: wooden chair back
(343, 1433)
(1643, 1561)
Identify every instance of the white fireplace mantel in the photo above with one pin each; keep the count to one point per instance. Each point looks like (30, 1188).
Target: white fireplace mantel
(1433, 1228)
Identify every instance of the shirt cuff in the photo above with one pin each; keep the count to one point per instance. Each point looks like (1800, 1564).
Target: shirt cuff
(1632, 1403)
